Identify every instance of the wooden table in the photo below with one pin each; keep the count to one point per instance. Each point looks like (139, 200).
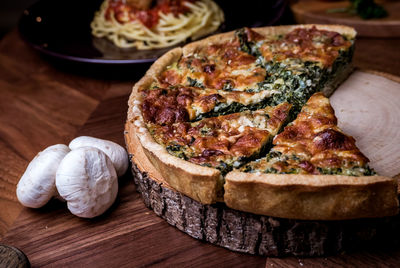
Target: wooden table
(44, 102)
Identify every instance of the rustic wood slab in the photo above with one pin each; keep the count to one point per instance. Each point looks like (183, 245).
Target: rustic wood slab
(39, 106)
(12, 257)
(314, 11)
(367, 106)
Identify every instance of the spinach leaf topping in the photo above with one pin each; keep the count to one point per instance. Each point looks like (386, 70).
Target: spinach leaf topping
(366, 9)
(194, 83)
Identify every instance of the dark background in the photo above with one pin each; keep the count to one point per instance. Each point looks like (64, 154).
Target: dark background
(10, 11)
(60, 38)
(262, 12)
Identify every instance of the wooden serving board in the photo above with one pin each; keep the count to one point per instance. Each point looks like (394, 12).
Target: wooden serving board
(314, 11)
(130, 235)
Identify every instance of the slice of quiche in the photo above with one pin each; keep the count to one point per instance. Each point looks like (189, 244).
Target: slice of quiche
(223, 142)
(166, 105)
(314, 171)
(313, 144)
(301, 62)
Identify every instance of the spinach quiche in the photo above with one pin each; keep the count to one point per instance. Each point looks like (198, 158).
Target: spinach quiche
(313, 144)
(210, 117)
(313, 171)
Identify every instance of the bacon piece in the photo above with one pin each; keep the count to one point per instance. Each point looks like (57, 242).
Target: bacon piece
(165, 106)
(166, 116)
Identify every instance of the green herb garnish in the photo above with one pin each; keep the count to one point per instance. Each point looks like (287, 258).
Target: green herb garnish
(366, 9)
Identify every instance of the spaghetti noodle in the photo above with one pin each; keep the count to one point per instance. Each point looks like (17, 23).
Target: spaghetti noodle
(160, 26)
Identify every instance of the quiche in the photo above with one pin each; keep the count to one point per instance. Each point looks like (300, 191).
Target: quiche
(313, 144)
(205, 116)
(313, 171)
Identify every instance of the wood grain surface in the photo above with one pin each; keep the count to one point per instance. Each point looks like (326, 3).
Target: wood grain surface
(12, 257)
(369, 103)
(39, 106)
(44, 103)
(315, 11)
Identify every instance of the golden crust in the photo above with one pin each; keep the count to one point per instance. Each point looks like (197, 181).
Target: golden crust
(311, 197)
(250, 192)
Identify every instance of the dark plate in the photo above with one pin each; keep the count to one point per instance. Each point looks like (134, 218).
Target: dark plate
(61, 29)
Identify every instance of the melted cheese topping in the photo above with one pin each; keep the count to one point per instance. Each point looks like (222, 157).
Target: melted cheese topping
(308, 44)
(313, 144)
(223, 67)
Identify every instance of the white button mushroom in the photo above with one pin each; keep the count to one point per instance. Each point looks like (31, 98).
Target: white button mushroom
(114, 151)
(37, 185)
(87, 180)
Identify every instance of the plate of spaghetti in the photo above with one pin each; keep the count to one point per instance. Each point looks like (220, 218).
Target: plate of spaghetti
(147, 24)
(126, 31)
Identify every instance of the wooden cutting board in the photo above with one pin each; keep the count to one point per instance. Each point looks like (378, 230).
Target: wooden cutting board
(314, 11)
(130, 235)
